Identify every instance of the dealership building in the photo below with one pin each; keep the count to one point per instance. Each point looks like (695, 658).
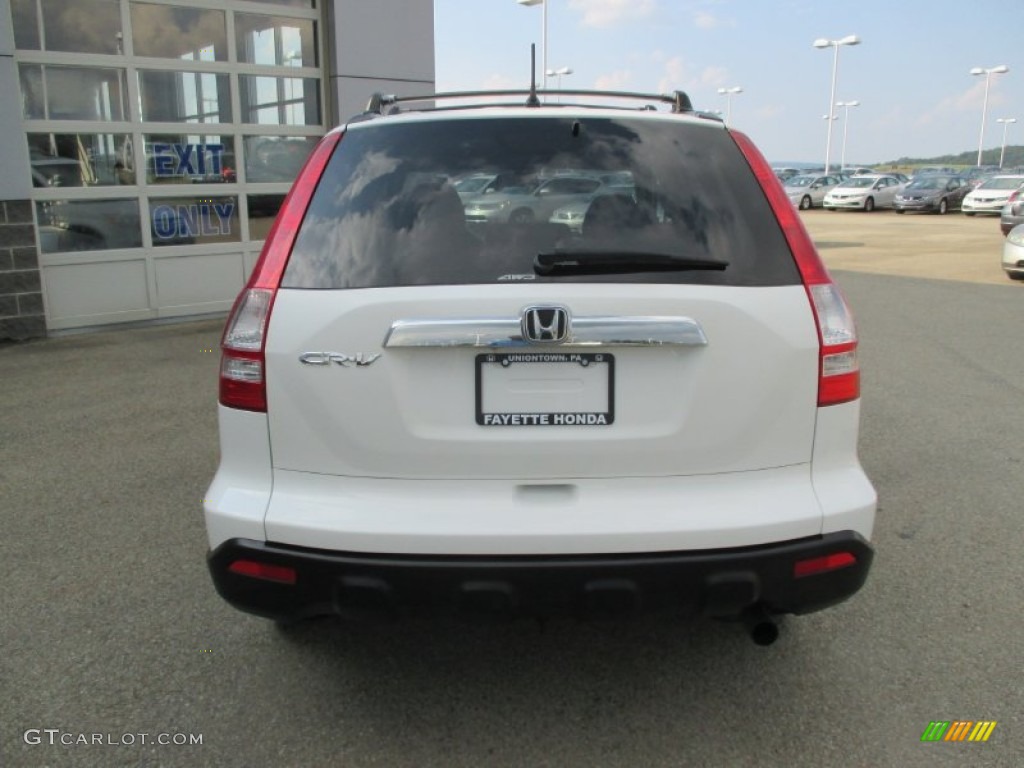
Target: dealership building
(147, 145)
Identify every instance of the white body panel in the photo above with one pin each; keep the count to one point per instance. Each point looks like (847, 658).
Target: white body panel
(847, 498)
(746, 401)
(575, 516)
(500, 517)
(236, 502)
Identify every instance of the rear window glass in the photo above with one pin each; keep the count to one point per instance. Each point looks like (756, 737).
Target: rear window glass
(476, 200)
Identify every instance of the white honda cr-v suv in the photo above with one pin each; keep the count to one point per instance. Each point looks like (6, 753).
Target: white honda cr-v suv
(657, 409)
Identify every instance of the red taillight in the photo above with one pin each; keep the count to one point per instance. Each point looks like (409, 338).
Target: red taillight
(1013, 196)
(838, 367)
(242, 383)
(243, 365)
(824, 564)
(282, 574)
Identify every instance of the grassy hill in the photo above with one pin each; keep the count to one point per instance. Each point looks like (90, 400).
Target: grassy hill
(1014, 157)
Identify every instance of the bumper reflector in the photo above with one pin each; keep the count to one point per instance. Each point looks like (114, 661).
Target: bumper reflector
(823, 564)
(279, 573)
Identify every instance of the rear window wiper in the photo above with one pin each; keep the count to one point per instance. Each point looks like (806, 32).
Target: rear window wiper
(617, 262)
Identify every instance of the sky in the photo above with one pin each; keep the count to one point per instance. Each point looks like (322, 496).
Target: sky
(911, 72)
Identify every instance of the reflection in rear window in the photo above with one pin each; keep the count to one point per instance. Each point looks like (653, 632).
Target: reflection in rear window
(475, 200)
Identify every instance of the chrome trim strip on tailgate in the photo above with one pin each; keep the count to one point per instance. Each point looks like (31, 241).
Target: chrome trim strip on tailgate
(491, 332)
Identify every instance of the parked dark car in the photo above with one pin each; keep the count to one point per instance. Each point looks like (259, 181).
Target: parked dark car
(932, 193)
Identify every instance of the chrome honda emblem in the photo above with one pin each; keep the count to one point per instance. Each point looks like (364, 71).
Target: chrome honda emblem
(545, 325)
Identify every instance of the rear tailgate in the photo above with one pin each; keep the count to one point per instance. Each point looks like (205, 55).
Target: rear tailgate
(745, 400)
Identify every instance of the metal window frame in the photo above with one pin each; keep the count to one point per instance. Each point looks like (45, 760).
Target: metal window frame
(136, 129)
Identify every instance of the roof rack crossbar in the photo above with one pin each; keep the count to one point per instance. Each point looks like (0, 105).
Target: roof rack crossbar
(678, 99)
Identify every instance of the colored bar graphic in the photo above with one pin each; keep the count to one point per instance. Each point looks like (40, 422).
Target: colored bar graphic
(958, 730)
(935, 730)
(982, 731)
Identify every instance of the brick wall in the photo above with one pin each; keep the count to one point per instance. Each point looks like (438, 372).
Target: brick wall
(21, 298)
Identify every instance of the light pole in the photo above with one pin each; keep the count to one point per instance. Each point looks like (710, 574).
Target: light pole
(846, 124)
(824, 43)
(1002, 69)
(543, 30)
(728, 93)
(1006, 124)
(559, 73)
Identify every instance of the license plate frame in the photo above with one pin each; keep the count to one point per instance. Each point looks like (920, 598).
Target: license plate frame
(546, 418)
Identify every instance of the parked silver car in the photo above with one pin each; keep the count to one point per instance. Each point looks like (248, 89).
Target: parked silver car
(865, 193)
(1013, 254)
(809, 190)
(1012, 213)
(533, 204)
(476, 184)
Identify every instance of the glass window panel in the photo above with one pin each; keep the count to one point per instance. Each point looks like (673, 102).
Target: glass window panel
(293, 3)
(81, 159)
(73, 93)
(88, 225)
(275, 40)
(183, 159)
(184, 97)
(171, 32)
(262, 212)
(82, 26)
(26, 25)
(280, 100)
(276, 158)
(194, 220)
(33, 106)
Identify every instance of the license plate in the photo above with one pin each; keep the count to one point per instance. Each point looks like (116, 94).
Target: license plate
(545, 389)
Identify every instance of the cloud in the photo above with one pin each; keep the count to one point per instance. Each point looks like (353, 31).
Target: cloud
(605, 13)
(676, 75)
(614, 81)
(673, 75)
(768, 112)
(967, 101)
(713, 77)
(707, 20)
(497, 82)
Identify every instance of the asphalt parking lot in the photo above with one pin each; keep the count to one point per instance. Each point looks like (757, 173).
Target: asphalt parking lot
(111, 627)
(950, 247)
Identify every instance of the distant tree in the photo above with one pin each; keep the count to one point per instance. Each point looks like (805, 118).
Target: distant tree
(1014, 158)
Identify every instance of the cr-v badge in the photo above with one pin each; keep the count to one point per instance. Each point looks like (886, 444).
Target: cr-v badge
(339, 358)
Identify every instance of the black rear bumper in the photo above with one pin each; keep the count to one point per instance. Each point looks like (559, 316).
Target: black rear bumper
(719, 583)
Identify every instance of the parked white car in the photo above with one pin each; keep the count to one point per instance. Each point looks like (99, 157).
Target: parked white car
(865, 193)
(990, 196)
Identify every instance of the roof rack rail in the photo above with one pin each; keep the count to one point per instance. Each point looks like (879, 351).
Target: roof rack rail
(678, 99)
